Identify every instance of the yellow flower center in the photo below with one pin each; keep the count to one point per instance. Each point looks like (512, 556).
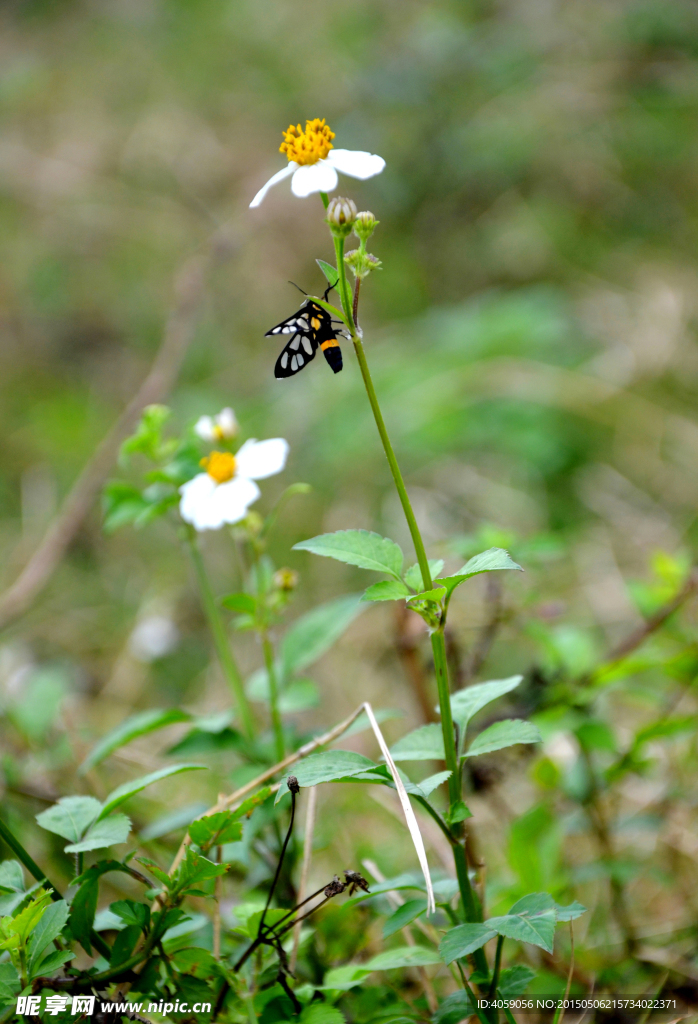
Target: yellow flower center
(309, 146)
(220, 466)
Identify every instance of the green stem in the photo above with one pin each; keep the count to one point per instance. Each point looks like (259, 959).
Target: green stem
(274, 698)
(497, 966)
(220, 638)
(36, 872)
(470, 904)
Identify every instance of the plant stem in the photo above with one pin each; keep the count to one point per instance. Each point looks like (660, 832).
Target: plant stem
(220, 638)
(470, 905)
(277, 725)
(497, 966)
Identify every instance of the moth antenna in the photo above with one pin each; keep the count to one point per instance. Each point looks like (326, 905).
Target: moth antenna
(301, 290)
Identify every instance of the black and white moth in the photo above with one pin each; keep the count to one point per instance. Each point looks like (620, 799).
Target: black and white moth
(310, 328)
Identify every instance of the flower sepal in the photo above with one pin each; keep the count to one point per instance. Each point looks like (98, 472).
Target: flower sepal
(362, 263)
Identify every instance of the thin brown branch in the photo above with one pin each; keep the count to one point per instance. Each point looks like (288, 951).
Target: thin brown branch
(654, 622)
(189, 289)
(237, 796)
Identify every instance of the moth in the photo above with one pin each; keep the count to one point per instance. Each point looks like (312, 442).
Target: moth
(310, 328)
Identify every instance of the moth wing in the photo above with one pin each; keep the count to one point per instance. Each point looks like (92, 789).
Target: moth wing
(297, 322)
(295, 355)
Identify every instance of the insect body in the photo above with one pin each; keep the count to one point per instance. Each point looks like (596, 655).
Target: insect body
(311, 328)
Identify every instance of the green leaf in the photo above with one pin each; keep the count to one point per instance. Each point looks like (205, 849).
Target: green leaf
(466, 703)
(52, 962)
(52, 922)
(70, 816)
(215, 830)
(330, 272)
(426, 786)
(570, 912)
(321, 1013)
(147, 438)
(129, 789)
(11, 876)
(458, 812)
(329, 766)
(357, 547)
(84, 904)
(131, 913)
(428, 595)
(503, 734)
(423, 744)
(513, 981)
(341, 979)
(486, 561)
(403, 916)
(122, 504)
(454, 1008)
(403, 956)
(105, 832)
(413, 576)
(132, 728)
(242, 603)
(386, 590)
(537, 929)
(314, 633)
(195, 868)
(534, 903)
(463, 940)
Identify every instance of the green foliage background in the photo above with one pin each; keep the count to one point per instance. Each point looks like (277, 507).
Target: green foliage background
(532, 336)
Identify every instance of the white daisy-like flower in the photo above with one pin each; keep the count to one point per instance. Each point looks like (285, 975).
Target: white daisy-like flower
(213, 429)
(314, 162)
(226, 490)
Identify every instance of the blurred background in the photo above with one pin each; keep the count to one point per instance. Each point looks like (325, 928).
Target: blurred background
(532, 336)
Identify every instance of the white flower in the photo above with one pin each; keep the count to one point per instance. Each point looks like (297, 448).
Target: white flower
(314, 162)
(226, 490)
(223, 427)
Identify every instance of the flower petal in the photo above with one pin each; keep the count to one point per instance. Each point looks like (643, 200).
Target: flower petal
(275, 178)
(355, 162)
(203, 428)
(319, 177)
(259, 459)
(230, 501)
(196, 498)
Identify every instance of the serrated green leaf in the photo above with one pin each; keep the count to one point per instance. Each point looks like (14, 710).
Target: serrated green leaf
(487, 561)
(70, 816)
(503, 734)
(423, 744)
(386, 590)
(299, 695)
(129, 789)
(357, 547)
(105, 832)
(428, 595)
(216, 829)
(84, 904)
(403, 916)
(534, 903)
(131, 729)
(131, 913)
(466, 703)
(464, 939)
(330, 765)
(403, 956)
(538, 929)
(413, 575)
(513, 981)
(330, 272)
(321, 1013)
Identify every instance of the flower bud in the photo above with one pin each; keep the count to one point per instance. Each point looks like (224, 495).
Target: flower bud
(362, 263)
(285, 579)
(364, 225)
(341, 214)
